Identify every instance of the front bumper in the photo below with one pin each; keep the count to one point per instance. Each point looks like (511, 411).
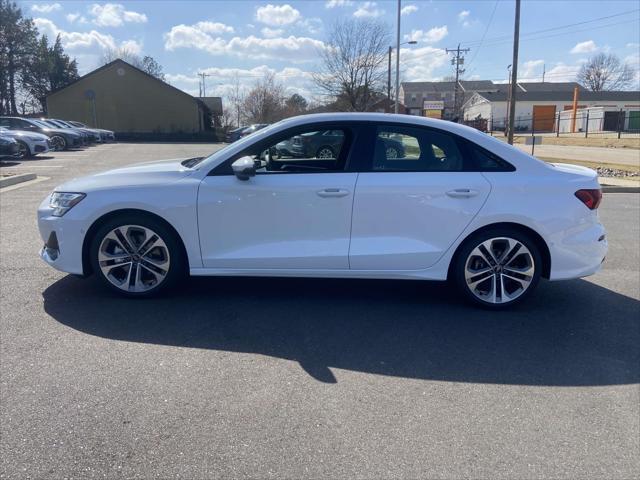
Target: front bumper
(40, 146)
(62, 238)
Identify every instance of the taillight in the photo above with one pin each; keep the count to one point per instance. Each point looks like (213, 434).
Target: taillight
(590, 197)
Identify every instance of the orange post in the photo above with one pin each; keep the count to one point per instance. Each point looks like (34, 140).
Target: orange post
(575, 110)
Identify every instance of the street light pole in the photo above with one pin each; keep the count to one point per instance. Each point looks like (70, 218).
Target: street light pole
(397, 106)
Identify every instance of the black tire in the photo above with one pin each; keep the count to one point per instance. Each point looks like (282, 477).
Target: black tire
(24, 151)
(325, 148)
(496, 236)
(59, 143)
(178, 266)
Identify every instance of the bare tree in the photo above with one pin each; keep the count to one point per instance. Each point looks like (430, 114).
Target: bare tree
(265, 101)
(236, 99)
(604, 72)
(353, 68)
(146, 64)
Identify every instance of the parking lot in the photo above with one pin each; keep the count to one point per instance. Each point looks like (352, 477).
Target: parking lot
(293, 378)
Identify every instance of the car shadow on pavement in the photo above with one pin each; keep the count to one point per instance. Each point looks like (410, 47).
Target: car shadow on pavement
(572, 333)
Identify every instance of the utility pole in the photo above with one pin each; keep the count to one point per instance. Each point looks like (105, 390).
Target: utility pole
(544, 71)
(514, 73)
(458, 61)
(397, 105)
(203, 88)
(389, 77)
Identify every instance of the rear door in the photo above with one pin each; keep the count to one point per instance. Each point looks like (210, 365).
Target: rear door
(414, 197)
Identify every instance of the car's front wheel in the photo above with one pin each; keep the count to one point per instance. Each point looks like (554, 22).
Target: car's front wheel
(498, 268)
(137, 255)
(59, 143)
(23, 150)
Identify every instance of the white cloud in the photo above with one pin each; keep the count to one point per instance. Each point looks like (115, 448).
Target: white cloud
(295, 80)
(131, 46)
(368, 10)
(431, 36)
(114, 15)
(86, 47)
(46, 7)
(562, 73)
(72, 17)
(408, 10)
(338, 3)
(420, 64)
(633, 45)
(530, 69)
(311, 25)
(272, 32)
(464, 17)
(277, 15)
(292, 48)
(214, 27)
(585, 47)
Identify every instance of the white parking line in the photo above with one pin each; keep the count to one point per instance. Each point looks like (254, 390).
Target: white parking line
(23, 184)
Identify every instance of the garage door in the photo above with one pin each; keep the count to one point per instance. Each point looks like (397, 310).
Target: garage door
(634, 120)
(544, 117)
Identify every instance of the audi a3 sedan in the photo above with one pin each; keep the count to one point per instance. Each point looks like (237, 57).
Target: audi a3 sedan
(29, 143)
(456, 205)
(60, 138)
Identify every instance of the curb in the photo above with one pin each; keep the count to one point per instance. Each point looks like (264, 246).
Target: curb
(14, 179)
(619, 189)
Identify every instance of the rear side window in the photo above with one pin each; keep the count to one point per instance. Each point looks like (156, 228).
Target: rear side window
(407, 149)
(485, 161)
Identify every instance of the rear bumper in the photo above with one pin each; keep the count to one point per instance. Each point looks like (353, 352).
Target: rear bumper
(579, 253)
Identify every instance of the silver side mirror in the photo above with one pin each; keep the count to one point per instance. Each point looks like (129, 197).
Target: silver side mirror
(244, 168)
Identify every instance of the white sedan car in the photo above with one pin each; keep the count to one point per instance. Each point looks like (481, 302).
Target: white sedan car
(455, 204)
(30, 143)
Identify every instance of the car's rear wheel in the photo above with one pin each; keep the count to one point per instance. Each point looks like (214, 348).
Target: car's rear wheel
(137, 255)
(59, 143)
(23, 150)
(392, 152)
(498, 268)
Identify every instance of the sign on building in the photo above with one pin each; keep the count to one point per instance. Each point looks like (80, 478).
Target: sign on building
(433, 108)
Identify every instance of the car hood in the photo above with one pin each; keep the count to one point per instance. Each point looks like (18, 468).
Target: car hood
(142, 174)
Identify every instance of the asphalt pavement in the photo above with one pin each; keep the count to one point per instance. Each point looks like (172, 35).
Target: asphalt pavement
(311, 378)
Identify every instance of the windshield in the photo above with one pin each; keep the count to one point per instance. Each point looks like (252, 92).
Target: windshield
(224, 150)
(55, 123)
(38, 123)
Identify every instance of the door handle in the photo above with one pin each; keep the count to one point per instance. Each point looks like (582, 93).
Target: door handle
(462, 193)
(333, 192)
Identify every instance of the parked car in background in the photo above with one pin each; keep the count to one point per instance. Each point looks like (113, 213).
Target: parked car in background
(9, 147)
(61, 138)
(93, 133)
(87, 137)
(327, 143)
(106, 135)
(253, 128)
(457, 205)
(30, 143)
(233, 135)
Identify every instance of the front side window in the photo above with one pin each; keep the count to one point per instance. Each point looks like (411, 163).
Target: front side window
(306, 151)
(415, 150)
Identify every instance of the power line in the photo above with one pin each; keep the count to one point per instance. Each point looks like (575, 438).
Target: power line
(495, 6)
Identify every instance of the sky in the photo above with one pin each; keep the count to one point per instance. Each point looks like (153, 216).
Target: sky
(244, 39)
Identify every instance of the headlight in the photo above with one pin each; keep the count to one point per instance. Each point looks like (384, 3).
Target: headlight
(62, 202)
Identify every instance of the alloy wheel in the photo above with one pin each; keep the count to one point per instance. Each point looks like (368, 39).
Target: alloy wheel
(23, 150)
(391, 152)
(325, 153)
(499, 270)
(134, 258)
(58, 142)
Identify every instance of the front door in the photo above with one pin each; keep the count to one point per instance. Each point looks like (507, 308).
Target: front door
(416, 199)
(294, 214)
